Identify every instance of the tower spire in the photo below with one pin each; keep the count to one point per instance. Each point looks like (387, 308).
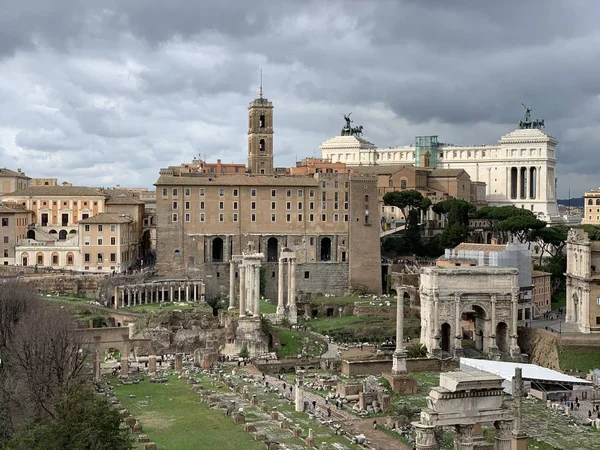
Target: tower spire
(260, 89)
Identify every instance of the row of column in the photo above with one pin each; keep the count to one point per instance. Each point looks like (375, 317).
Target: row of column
(249, 290)
(426, 439)
(524, 182)
(133, 295)
(290, 261)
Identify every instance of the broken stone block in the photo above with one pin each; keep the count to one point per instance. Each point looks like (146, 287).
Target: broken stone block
(130, 421)
(137, 427)
(149, 446)
(250, 428)
(143, 438)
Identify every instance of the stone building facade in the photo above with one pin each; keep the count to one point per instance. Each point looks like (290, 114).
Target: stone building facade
(13, 227)
(591, 207)
(520, 170)
(11, 181)
(583, 282)
(486, 296)
(330, 221)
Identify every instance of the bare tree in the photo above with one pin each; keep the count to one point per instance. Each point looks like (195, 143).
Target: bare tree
(45, 360)
(16, 299)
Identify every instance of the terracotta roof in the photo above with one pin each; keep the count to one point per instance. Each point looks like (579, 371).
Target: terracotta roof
(106, 218)
(480, 247)
(11, 210)
(122, 199)
(447, 172)
(56, 191)
(236, 180)
(387, 169)
(4, 172)
(540, 273)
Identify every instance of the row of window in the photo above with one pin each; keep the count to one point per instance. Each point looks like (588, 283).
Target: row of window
(591, 201)
(86, 240)
(55, 203)
(100, 257)
(288, 206)
(288, 217)
(253, 192)
(100, 228)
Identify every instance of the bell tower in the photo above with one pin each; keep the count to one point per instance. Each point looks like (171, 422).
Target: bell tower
(260, 135)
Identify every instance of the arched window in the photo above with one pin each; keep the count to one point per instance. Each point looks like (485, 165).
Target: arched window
(177, 256)
(62, 235)
(217, 250)
(590, 201)
(326, 249)
(54, 260)
(261, 121)
(272, 250)
(261, 146)
(40, 259)
(598, 202)
(403, 184)
(30, 234)
(70, 259)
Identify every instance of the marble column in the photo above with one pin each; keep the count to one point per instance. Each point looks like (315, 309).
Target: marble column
(242, 290)
(231, 284)
(519, 182)
(464, 437)
(293, 306)
(187, 292)
(514, 347)
(425, 436)
(399, 358)
(195, 292)
(289, 282)
(280, 305)
(171, 293)
(129, 293)
(122, 297)
(299, 400)
(436, 326)
(152, 364)
(503, 434)
(97, 373)
(116, 295)
(257, 290)
(178, 362)
(458, 350)
(124, 363)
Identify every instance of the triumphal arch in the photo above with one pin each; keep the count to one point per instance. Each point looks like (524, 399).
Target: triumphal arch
(478, 303)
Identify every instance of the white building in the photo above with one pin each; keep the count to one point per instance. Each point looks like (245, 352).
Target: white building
(520, 170)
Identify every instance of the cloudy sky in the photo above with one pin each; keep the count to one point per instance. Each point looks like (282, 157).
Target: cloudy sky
(106, 92)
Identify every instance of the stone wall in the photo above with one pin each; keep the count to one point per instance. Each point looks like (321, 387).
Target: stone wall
(379, 366)
(540, 345)
(76, 285)
(388, 312)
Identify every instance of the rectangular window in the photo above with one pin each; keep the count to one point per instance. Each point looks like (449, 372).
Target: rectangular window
(201, 191)
(253, 205)
(306, 274)
(235, 217)
(335, 217)
(311, 205)
(273, 205)
(324, 206)
(299, 205)
(335, 185)
(221, 205)
(273, 192)
(300, 192)
(253, 217)
(346, 205)
(345, 217)
(235, 206)
(311, 217)
(323, 217)
(99, 228)
(86, 228)
(113, 228)
(221, 192)
(86, 240)
(165, 192)
(6, 239)
(336, 205)
(299, 217)
(6, 253)
(311, 193)
(174, 217)
(187, 192)
(113, 257)
(345, 196)
(288, 205)
(323, 196)
(312, 241)
(253, 193)
(598, 301)
(346, 185)
(174, 205)
(86, 257)
(113, 240)
(324, 184)
(100, 241)
(5, 221)
(273, 218)
(175, 192)
(288, 193)
(221, 217)
(288, 217)
(187, 205)
(201, 205)
(235, 192)
(202, 217)
(187, 217)
(100, 258)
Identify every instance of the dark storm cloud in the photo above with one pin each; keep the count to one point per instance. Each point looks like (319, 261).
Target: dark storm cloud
(140, 84)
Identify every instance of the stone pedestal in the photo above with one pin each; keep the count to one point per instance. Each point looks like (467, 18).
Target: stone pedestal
(425, 437)
(239, 418)
(386, 404)
(250, 335)
(518, 441)
(402, 383)
(254, 400)
(293, 314)
(124, 366)
(399, 363)
(310, 440)
(178, 362)
(152, 364)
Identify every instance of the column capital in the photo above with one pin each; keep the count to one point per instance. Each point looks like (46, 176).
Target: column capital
(493, 298)
(503, 429)
(457, 296)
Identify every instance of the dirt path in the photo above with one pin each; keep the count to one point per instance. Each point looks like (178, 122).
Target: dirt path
(379, 439)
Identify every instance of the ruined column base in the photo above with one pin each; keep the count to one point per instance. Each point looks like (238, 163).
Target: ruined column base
(293, 316)
(280, 312)
(399, 362)
(402, 383)
(519, 441)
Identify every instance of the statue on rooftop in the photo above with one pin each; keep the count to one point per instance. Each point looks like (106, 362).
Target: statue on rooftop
(527, 113)
(528, 124)
(349, 130)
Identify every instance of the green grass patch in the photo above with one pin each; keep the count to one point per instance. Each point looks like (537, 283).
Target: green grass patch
(292, 343)
(175, 419)
(351, 328)
(345, 300)
(560, 301)
(581, 359)
(267, 307)
(69, 298)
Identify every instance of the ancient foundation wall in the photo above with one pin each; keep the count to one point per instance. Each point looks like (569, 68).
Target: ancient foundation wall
(76, 285)
(388, 312)
(379, 366)
(540, 345)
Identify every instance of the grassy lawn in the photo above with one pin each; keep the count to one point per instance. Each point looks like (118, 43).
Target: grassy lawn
(292, 342)
(342, 300)
(173, 417)
(150, 307)
(560, 301)
(68, 298)
(351, 328)
(582, 359)
(268, 307)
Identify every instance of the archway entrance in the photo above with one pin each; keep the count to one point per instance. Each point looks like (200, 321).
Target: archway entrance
(445, 344)
(473, 324)
(502, 337)
(146, 243)
(325, 249)
(217, 250)
(272, 250)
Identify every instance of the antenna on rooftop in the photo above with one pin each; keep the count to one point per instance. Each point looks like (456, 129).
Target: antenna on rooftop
(260, 89)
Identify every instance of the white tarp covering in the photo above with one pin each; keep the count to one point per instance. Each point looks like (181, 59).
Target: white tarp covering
(530, 372)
